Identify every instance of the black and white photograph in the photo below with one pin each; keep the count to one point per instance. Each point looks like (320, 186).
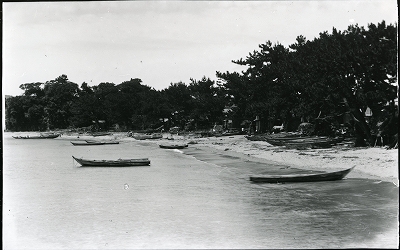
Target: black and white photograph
(200, 124)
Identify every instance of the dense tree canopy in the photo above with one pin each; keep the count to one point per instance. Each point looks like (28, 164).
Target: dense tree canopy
(320, 81)
(329, 81)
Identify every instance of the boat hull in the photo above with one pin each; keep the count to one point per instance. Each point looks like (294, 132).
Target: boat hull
(331, 176)
(173, 146)
(87, 143)
(147, 137)
(37, 137)
(113, 163)
(100, 134)
(104, 142)
(297, 141)
(304, 142)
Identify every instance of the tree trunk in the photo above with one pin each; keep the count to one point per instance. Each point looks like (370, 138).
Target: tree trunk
(361, 127)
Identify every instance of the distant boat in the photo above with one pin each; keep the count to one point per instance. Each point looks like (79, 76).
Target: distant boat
(41, 136)
(306, 142)
(113, 163)
(100, 133)
(226, 133)
(297, 141)
(146, 136)
(173, 146)
(84, 143)
(330, 176)
(104, 142)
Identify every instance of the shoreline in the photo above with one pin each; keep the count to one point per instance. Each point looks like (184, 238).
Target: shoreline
(371, 163)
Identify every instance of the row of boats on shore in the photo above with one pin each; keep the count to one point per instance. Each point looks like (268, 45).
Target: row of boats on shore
(297, 141)
(283, 139)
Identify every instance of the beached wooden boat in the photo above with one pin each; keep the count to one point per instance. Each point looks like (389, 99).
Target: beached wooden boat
(228, 133)
(297, 141)
(84, 143)
(311, 142)
(278, 136)
(147, 136)
(173, 146)
(113, 163)
(104, 142)
(330, 176)
(100, 133)
(41, 136)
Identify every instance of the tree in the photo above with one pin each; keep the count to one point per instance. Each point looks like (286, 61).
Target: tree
(86, 108)
(26, 112)
(237, 92)
(266, 88)
(179, 103)
(32, 89)
(59, 96)
(207, 101)
(354, 69)
(107, 99)
(130, 105)
(320, 80)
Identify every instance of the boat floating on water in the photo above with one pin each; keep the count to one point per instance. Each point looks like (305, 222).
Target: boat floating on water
(113, 163)
(329, 176)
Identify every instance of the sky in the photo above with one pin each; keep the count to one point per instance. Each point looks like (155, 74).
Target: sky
(160, 42)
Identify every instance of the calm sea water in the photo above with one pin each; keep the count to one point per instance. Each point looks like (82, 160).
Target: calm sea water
(183, 200)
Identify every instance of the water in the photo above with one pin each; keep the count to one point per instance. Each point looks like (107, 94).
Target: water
(183, 200)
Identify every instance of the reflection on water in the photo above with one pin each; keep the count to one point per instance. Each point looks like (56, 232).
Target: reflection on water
(191, 200)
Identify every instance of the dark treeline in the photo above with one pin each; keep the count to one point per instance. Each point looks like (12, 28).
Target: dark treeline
(61, 104)
(331, 82)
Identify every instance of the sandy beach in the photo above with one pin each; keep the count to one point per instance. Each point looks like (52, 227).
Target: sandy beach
(372, 163)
